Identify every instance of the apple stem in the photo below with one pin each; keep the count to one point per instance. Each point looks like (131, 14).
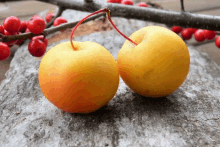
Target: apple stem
(105, 10)
(110, 20)
(71, 37)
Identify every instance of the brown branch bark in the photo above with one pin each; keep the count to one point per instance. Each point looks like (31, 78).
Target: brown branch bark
(88, 1)
(184, 19)
(182, 5)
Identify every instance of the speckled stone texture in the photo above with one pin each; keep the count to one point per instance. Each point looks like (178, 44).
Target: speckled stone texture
(187, 117)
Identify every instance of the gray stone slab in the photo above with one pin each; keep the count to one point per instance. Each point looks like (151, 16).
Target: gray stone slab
(187, 117)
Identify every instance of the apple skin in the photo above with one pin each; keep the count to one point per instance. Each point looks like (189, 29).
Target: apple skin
(79, 81)
(158, 65)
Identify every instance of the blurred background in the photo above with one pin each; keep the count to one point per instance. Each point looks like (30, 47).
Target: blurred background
(25, 9)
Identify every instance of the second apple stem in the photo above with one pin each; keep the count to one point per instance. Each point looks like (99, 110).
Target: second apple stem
(105, 10)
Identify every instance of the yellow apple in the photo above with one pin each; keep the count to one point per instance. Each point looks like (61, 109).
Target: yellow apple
(158, 65)
(78, 81)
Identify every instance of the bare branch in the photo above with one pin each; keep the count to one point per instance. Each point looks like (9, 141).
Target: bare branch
(59, 13)
(155, 5)
(182, 5)
(88, 1)
(184, 19)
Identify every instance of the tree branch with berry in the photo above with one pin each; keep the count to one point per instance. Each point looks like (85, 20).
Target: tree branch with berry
(184, 19)
(51, 17)
(14, 31)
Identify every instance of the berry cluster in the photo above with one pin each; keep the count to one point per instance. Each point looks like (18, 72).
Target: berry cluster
(186, 33)
(199, 34)
(36, 25)
(127, 2)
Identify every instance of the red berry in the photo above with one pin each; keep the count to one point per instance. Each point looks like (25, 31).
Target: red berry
(217, 41)
(118, 1)
(36, 25)
(192, 30)
(23, 26)
(114, 1)
(12, 24)
(20, 41)
(127, 2)
(36, 16)
(209, 34)
(199, 35)
(10, 46)
(58, 21)
(4, 51)
(141, 4)
(110, 1)
(176, 29)
(27, 31)
(42, 38)
(49, 17)
(37, 47)
(2, 29)
(186, 34)
(10, 42)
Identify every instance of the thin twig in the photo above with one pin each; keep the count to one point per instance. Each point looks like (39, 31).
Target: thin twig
(155, 5)
(88, 1)
(182, 5)
(59, 13)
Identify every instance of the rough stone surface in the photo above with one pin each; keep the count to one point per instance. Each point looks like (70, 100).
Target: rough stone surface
(187, 117)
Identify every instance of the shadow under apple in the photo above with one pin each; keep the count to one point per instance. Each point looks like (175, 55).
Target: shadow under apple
(128, 105)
